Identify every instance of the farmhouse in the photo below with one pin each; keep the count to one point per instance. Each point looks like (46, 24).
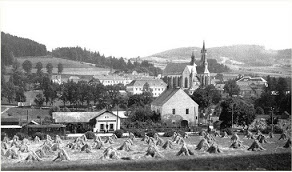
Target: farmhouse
(10, 126)
(80, 122)
(112, 80)
(156, 86)
(251, 87)
(176, 108)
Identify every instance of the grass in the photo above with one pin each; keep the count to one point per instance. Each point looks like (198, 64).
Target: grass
(273, 158)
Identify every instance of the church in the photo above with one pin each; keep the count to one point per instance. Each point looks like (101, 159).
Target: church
(188, 76)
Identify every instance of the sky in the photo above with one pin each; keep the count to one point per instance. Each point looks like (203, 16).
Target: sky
(142, 28)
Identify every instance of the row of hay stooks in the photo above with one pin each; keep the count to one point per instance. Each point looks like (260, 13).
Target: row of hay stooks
(52, 147)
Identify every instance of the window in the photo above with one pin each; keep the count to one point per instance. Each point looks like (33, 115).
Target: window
(111, 126)
(136, 89)
(102, 126)
(187, 111)
(173, 111)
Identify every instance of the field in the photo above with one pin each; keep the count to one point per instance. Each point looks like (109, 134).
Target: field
(70, 67)
(275, 157)
(21, 113)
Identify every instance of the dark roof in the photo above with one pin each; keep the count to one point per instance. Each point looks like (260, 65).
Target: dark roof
(165, 96)
(77, 117)
(47, 126)
(151, 82)
(174, 68)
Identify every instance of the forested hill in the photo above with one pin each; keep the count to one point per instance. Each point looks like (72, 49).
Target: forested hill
(79, 54)
(13, 46)
(254, 55)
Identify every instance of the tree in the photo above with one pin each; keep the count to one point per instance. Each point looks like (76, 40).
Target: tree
(39, 100)
(27, 66)
(15, 65)
(19, 95)
(137, 100)
(9, 92)
(49, 67)
(39, 67)
(243, 112)
(60, 68)
(206, 96)
(231, 88)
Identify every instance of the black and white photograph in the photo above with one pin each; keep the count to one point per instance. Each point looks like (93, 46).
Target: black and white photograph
(137, 85)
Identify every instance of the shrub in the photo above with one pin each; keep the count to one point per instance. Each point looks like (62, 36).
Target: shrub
(119, 133)
(41, 135)
(21, 136)
(3, 135)
(260, 111)
(227, 130)
(138, 132)
(168, 133)
(89, 135)
(151, 133)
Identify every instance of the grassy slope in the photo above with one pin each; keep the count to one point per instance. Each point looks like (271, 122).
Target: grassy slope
(273, 158)
(22, 113)
(55, 61)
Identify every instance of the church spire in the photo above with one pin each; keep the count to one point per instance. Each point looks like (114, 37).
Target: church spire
(193, 58)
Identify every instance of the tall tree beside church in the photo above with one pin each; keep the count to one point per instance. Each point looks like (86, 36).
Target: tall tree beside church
(231, 88)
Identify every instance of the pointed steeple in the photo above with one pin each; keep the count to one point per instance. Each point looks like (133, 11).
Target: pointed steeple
(193, 58)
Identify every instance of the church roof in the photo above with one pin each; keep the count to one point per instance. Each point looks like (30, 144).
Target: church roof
(165, 96)
(151, 82)
(174, 68)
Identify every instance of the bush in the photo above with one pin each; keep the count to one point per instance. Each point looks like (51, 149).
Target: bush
(3, 135)
(168, 133)
(138, 132)
(228, 131)
(41, 135)
(89, 135)
(21, 136)
(119, 133)
(151, 133)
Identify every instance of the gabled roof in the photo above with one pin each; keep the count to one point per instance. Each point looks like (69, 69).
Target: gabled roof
(174, 68)
(151, 82)
(77, 117)
(165, 96)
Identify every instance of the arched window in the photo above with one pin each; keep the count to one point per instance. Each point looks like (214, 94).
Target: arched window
(186, 83)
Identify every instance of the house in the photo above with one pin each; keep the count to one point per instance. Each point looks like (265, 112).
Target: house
(10, 126)
(251, 87)
(188, 76)
(80, 122)
(176, 108)
(74, 78)
(56, 79)
(155, 86)
(112, 79)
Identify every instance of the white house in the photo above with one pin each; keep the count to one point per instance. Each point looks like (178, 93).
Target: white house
(102, 121)
(176, 108)
(156, 86)
(112, 79)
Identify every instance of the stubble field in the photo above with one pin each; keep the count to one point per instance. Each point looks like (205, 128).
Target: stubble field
(275, 157)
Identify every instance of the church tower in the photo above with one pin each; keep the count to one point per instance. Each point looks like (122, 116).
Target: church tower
(206, 80)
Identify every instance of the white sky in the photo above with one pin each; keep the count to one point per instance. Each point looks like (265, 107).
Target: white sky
(142, 28)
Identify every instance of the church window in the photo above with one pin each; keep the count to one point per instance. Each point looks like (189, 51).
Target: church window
(186, 82)
(187, 111)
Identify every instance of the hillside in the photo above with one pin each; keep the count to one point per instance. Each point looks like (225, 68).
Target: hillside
(70, 66)
(251, 55)
(13, 46)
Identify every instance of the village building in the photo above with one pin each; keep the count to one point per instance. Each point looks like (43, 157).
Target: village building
(80, 122)
(56, 79)
(251, 87)
(112, 79)
(155, 86)
(176, 108)
(188, 76)
(10, 126)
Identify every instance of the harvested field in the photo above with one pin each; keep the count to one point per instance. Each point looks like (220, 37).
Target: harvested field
(274, 157)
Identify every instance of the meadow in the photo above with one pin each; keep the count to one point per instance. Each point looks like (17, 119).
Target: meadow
(274, 157)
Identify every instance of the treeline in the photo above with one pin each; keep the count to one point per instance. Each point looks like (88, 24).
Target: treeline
(79, 54)
(13, 46)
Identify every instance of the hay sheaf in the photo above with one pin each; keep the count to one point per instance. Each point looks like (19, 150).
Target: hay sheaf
(168, 145)
(110, 153)
(32, 156)
(184, 150)
(256, 146)
(203, 144)
(62, 155)
(153, 152)
(287, 144)
(214, 148)
(125, 146)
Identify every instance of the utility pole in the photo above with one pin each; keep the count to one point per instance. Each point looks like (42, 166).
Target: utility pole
(272, 119)
(27, 121)
(232, 117)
